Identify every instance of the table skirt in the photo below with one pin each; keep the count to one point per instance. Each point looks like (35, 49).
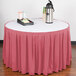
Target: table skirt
(32, 53)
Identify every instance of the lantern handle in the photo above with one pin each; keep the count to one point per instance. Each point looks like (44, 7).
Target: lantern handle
(52, 5)
(50, 2)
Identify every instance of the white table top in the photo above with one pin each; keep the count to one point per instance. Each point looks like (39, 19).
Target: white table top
(39, 26)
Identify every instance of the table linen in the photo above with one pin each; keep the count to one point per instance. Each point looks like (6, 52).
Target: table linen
(39, 48)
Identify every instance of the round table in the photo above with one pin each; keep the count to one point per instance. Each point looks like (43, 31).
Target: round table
(39, 48)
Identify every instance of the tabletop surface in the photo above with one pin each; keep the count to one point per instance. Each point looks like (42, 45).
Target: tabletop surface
(39, 26)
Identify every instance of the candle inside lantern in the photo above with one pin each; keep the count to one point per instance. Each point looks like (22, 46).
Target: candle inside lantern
(20, 15)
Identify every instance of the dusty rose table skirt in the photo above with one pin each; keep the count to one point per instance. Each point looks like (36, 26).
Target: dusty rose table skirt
(32, 53)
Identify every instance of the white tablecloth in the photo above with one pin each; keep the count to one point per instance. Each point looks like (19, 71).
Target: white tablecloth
(39, 26)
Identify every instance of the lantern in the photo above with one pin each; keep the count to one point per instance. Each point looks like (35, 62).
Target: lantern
(49, 12)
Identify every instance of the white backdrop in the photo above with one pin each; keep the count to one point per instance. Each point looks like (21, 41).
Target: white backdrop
(64, 10)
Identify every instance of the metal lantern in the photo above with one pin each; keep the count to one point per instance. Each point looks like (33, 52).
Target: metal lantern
(49, 12)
